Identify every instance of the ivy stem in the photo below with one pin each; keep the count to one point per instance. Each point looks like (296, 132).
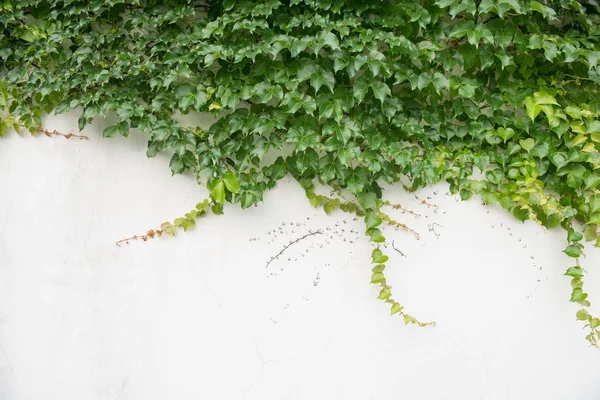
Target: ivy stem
(319, 232)
(56, 133)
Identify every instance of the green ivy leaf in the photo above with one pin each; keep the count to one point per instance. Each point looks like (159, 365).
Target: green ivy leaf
(377, 277)
(527, 144)
(355, 182)
(381, 90)
(590, 233)
(575, 272)
(396, 308)
(385, 293)
(372, 220)
(506, 133)
(573, 251)
(578, 296)
(582, 315)
(231, 182)
(217, 193)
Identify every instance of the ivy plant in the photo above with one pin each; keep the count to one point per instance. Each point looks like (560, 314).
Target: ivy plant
(498, 98)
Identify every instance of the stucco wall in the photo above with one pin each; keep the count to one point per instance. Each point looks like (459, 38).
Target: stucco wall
(200, 316)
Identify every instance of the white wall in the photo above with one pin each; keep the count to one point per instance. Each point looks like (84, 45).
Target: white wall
(200, 317)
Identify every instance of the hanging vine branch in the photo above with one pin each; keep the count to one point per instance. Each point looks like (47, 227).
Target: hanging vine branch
(291, 243)
(499, 99)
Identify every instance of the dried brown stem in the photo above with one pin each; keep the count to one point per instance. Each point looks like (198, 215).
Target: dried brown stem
(397, 224)
(424, 202)
(54, 132)
(65, 135)
(151, 234)
(400, 207)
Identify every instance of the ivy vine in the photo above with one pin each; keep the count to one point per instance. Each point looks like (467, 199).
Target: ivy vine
(499, 98)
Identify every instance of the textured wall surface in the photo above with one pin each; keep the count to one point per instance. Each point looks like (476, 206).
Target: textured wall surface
(202, 316)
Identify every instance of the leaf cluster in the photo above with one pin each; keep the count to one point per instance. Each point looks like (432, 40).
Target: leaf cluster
(499, 98)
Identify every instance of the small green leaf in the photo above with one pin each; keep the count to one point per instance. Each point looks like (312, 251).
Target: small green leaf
(375, 235)
(590, 233)
(533, 109)
(582, 315)
(176, 164)
(247, 199)
(381, 90)
(547, 12)
(110, 131)
(573, 112)
(360, 89)
(28, 36)
(541, 98)
(377, 257)
(231, 182)
(440, 82)
(574, 236)
(575, 272)
(187, 224)
(329, 39)
(354, 183)
(593, 127)
(385, 293)
(578, 295)
(372, 220)
(506, 133)
(377, 277)
(367, 200)
(331, 206)
(218, 192)
(573, 251)
(396, 308)
(541, 150)
(202, 206)
(482, 162)
(527, 144)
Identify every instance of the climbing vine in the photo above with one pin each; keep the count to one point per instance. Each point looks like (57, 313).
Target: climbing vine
(499, 98)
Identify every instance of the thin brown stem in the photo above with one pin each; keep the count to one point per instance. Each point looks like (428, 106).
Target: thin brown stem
(148, 235)
(65, 135)
(400, 207)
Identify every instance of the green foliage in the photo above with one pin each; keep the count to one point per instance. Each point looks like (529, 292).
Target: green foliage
(360, 93)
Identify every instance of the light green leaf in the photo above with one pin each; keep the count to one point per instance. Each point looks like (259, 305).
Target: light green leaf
(217, 193)
(231, 182)
(385, 293)
(582, 315)
(396, 308)
(377, 277)
(590, 233)
(440, 82)
(372, 220)
(533, 109)
(541, 150)
(547, 12)
(506, 133)
(527, 144)
(544, 98)
(593, 127)
(578, 296)
(573, 251)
